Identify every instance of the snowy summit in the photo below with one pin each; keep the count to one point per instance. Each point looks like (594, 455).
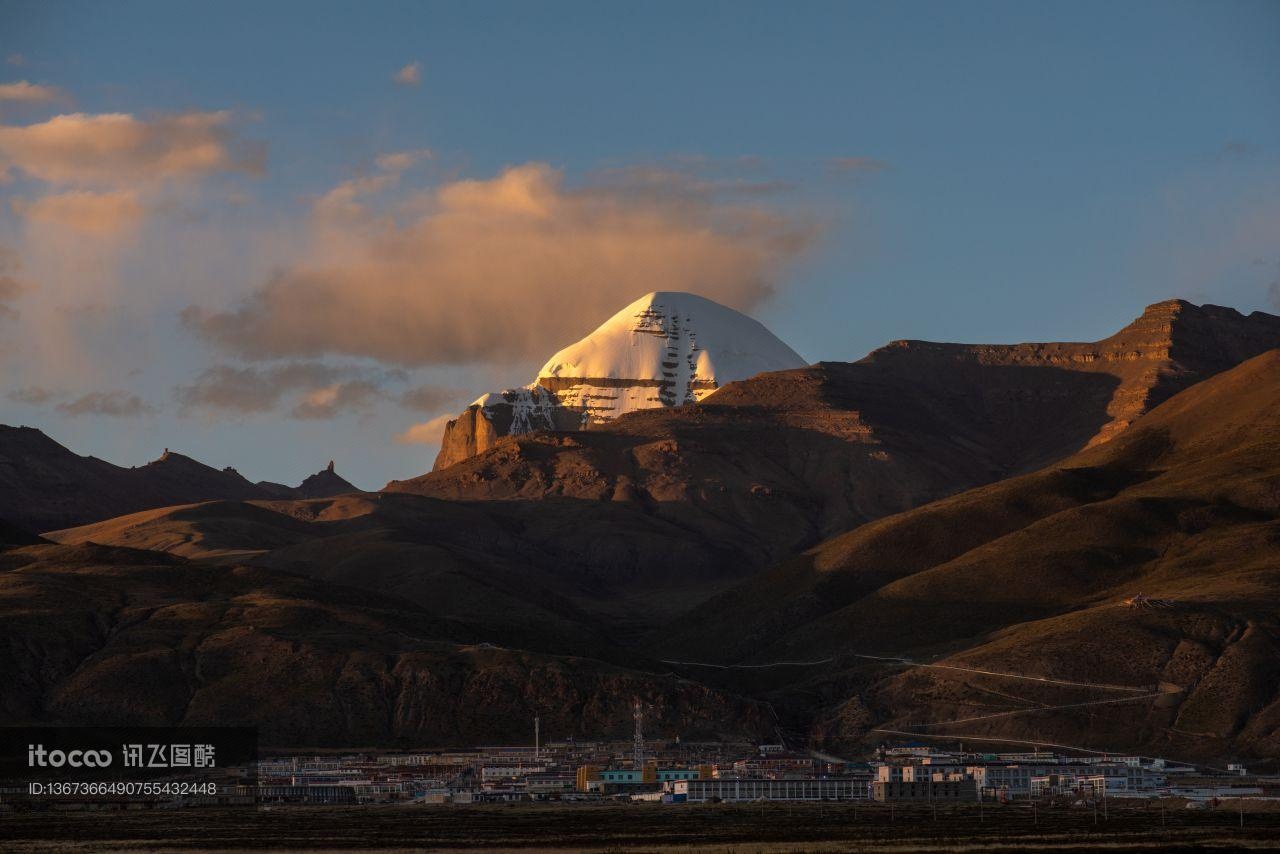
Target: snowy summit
(665, 349)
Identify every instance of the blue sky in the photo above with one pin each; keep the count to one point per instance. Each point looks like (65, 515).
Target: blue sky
(1035, 171)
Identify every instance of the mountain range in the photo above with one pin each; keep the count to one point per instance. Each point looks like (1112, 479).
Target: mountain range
(1075, 543)
(44, 485)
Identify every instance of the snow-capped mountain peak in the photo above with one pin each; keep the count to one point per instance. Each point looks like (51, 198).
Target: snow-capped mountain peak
(665, 349)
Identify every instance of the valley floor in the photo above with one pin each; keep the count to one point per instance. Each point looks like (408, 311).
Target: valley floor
(1138, 826)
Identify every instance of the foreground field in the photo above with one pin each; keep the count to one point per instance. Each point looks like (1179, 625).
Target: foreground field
(635, 828)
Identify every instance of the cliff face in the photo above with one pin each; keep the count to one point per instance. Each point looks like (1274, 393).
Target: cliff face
(1171, 346)
(513, 412)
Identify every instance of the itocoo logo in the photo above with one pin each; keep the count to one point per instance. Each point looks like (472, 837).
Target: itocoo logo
(37, 756)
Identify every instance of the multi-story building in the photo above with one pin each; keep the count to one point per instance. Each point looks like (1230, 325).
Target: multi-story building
(925, 790)
(833, 789)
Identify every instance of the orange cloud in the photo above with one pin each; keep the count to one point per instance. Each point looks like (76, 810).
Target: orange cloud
(83, 211)
(10, 287)
(410, 75)
(426, 433)
(28, 93)
(399, 161)
(117, 149)
(507, 269)
(333, 400)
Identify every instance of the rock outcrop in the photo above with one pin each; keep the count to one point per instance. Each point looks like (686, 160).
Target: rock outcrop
(323, 484)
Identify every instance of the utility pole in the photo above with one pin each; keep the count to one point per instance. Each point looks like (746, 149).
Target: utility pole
(637, 759)
(537, 738)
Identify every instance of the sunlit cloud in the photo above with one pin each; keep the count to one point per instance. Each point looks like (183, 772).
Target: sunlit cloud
(11, 287)
(118, 149)
(85, 211)
(505, 269)
(336, 399)
(29, 93)
(399, 161)
(410, 75)
(426, 433)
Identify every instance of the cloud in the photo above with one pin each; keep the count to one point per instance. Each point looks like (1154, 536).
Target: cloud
(399, 161)
(429, 398)
(342, 202)
(333, 400)
(31, 395)
(507, 269)
(85, 211)
(115, 404)
(119, 150)
(327, 390)
(10, 286)
(28, 93)
(850, 165)
(410, 75)
(17, 60)
(683, 181)
(426, 433)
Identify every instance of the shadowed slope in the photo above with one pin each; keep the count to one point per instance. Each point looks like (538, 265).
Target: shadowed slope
(109, 636)
(775, 463)
(1031, 575)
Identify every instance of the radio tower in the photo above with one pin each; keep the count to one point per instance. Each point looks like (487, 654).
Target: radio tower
(637, 760)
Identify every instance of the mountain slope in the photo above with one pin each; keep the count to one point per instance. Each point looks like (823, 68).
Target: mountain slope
(665, 349)
(551, 576)
(44, 486)
(325, 483)
(113, 636)
(775, 463)
(1031, 576)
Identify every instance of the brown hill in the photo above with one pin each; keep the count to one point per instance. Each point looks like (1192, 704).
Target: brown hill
(113, 636)
(325, 483)
(44, 486)
(775, 463)
(1031, 576)
(553, 576)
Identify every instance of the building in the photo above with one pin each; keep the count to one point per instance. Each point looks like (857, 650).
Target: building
(774, 766)
(834, 789)
(613, 781)
(926, 790)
